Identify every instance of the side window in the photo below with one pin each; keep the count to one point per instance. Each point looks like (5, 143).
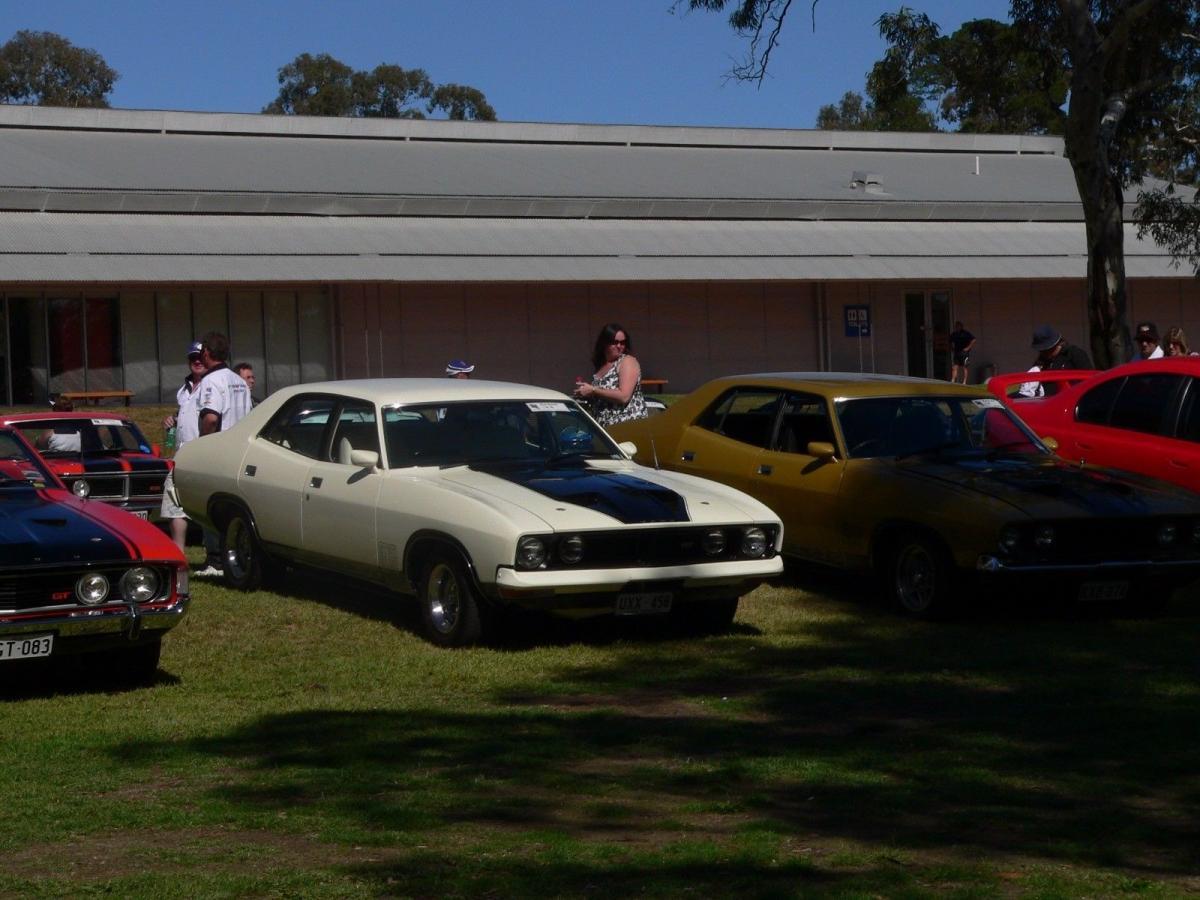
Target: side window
(300, 425)
(744, 414)
(1189, 421)
(1095, 404)
(1145, 402)
(805, 419)
(355, 430)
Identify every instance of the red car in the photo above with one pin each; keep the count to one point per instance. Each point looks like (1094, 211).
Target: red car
(1142, 417)
(102, 456)
(80, 577)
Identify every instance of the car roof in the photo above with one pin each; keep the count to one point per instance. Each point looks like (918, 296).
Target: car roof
(853, 384)
(403, 391)
(16, 418)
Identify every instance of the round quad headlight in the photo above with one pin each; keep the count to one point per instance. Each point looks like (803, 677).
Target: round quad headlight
(531, 553)
(570, 549)
(92, 589)
(754, 542)
(1166, 534)
(1010, 538)
(81, 489)
(140, 584)
(1044, 537)
(713, 542)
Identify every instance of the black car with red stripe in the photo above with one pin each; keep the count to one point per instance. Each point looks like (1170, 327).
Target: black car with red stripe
(102, 456)
(80, 577)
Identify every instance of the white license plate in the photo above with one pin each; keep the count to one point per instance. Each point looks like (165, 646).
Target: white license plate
(644, 603)
(1103, 591)
(141, 513)
(26, 647)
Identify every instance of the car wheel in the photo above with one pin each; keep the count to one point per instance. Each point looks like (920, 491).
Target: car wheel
(135, 665)
(241, 555)
(921, 578)
(450, 607)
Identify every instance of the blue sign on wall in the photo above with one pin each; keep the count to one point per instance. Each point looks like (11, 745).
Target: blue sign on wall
(858, 321)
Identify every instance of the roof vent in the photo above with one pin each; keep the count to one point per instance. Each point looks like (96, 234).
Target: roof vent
(870, 182)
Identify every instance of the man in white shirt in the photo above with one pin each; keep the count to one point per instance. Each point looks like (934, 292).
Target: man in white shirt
(186, 423)
(1145, 337)
(222, 400)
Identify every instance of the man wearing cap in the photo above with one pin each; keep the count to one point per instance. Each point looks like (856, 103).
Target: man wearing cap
(186, 423)
(1055, 353)
(1145, 339)
(459, 368)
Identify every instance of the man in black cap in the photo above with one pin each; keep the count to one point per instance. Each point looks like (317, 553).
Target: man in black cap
(1055, 353)
(1145, 338)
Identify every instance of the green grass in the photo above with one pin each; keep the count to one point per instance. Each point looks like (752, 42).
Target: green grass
(309, 743)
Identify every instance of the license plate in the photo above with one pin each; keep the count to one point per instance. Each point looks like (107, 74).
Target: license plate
(26, 647)
(1103, 591)
(644, 603)
(141, 513)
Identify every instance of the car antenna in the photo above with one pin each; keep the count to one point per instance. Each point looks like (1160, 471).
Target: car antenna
(654, 452)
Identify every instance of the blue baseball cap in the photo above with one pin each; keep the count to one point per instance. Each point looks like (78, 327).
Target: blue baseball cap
(195, 348)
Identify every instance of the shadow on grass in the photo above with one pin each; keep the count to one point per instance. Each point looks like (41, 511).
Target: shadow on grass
(706, 765)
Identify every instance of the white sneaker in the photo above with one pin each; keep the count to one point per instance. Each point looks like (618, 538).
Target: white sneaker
(209, 571)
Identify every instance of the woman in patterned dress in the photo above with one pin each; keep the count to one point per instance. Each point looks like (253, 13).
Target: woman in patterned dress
(615, 392)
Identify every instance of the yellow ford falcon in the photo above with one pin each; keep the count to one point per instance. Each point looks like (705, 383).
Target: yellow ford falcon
(937, 488)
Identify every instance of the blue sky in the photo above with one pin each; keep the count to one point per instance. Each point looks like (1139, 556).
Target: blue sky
(606, 61)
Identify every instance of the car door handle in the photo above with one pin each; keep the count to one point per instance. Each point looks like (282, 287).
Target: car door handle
(688, 455)
(764, 469)
(251, 471)
(314, 482)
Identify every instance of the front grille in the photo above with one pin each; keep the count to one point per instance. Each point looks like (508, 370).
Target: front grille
(651, 547)
(1092, 541)
(55, 588)
(122, 486)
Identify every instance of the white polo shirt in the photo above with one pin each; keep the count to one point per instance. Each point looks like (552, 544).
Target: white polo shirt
(224, 392)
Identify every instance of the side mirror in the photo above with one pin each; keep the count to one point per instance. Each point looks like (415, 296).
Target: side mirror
(1051, 444)
(629, 448)
(364, 459)
(822, 450)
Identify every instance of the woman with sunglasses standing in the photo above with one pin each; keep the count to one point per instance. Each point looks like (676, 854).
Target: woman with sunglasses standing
(615, 391)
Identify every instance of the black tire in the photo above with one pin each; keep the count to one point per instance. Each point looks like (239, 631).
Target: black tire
(450, 606)
(137, 664)
(241, 555)
(920, 577)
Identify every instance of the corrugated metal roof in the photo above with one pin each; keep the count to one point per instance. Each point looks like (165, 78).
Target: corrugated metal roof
(73, 247)
(110, 160)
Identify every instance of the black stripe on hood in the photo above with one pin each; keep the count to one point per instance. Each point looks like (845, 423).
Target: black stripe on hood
(626, 498)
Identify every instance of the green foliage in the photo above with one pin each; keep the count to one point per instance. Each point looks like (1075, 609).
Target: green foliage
(45, 69)
(324, 86)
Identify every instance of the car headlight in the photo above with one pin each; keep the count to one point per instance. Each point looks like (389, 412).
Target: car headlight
(1196, 533)
(140, 585)
(531, 553)
(92, 589)
(570, 549)
(713, 542)
(1010, 538)
(81, 489)
(1166, 534)
(1044, 537)
(754, 542)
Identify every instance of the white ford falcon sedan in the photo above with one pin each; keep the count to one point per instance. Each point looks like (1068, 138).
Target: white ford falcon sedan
(472, 495)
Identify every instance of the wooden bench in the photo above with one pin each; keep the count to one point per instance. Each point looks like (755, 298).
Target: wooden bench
(94, 397)
(659, 383)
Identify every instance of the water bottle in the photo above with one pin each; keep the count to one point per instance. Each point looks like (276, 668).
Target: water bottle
(169, 442)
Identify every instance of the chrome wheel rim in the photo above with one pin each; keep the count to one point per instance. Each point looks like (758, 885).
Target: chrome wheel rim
(239, 550)
(916, 578)
(441, 598)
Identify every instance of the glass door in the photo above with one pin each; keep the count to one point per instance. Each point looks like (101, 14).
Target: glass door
(927, 333)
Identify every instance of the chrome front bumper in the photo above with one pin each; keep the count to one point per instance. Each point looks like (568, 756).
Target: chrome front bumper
(126, 619)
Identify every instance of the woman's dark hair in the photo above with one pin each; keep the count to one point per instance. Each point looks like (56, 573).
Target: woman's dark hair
(607, 333)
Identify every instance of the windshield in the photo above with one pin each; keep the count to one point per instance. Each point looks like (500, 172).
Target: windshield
(56, 437)
(19, 465)
(902, 426)
(489, 432)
